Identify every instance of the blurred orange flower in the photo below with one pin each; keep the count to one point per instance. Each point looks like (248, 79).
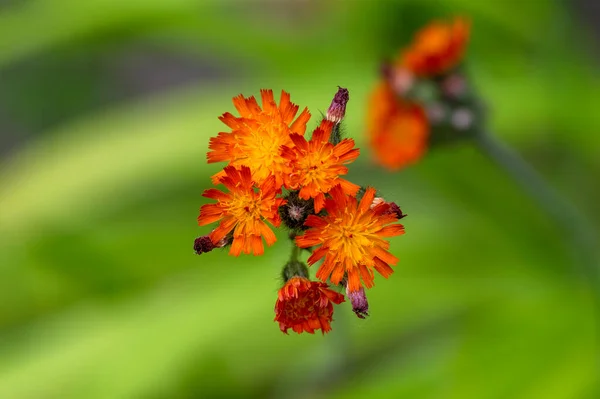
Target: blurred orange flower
(243, 210)
(257, 135)
(350, 237)
(305, 305)
(317, 164)
(398, 130)
(437, 47)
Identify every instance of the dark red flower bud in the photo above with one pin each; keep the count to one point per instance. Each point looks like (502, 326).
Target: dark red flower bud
(203, 244)
(394, 208)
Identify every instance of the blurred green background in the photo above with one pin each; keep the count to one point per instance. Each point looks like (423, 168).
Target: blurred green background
(106, 108)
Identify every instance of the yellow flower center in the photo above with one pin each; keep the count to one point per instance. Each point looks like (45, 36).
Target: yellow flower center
(262, 149)
(245, 207)
(314, 166)
(350, 239)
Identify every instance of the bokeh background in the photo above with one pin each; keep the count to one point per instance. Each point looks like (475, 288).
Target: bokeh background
(106, 108)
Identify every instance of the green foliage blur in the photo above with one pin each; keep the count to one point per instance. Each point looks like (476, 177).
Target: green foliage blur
(106, 109)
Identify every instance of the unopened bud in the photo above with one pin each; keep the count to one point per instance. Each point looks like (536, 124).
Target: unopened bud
(337, 109)
(393, 207)
(402, 80)
(436, 112)
(454, 86)
(295, 211)
(294, 268)
(203, 244)
(360, 305)
(462, 119)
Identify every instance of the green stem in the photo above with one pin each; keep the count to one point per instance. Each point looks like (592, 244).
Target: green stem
(295, 252)
(580, 233)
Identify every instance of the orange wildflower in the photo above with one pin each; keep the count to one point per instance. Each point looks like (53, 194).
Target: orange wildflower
(350, 238)
(257, 135)
(437, 47)
(399, 131)
(243, 211)
(305, 305)
(317, 164)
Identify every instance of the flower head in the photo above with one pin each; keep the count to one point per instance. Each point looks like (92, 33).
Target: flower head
(437, 47)
(257, 135)
(398, 131)
(305, 305)
(243, 210)
(317, 164)
(351, 238)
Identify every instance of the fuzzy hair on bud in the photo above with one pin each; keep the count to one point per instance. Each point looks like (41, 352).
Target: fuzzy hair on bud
(292, 269)
(295, 211)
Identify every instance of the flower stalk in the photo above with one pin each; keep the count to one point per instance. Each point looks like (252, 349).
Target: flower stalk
(581, 234)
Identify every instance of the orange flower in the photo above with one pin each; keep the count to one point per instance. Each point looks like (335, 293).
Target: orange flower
(399, 131)
(351, 239)
(257, 136)
(242, 211)
(437, 47)
(317, 164)
(305, 305)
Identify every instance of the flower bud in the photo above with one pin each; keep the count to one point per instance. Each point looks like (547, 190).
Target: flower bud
(402, 81)
(436, 112)
(337, 109)
(393, 207)
(203, 244)
(295, 211)
(360, 305)
(462, 119)
(454, 86)
(294, 268)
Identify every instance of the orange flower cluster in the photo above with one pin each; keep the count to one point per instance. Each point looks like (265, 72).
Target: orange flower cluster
(275, 174)
(437, 48)
(399, 123)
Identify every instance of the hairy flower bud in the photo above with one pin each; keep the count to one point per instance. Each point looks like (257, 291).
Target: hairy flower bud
(454, 86)
(462, 119)
(393, 207)
(360, 305)
(294, 268)
(337, 109)
(295, 211)
(203, 244)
